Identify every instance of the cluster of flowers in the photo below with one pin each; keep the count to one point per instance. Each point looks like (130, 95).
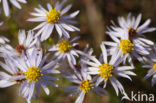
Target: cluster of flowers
(29, 65)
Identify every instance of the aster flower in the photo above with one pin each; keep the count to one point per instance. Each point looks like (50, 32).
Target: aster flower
(129, 48)
(6, 8)
(37, 73)
(151, 65)
(65, 50)
(131, 26)
(131, 37)
(83, 83)
(26, 43)
(107, 71)
(54, 17)
(13, 75)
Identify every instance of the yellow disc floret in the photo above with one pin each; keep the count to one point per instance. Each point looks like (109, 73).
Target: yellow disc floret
(105, 71)
(126, 46)
(154, 66)
(86, 86)
(53, 16)
(64, 46)
(33, 74)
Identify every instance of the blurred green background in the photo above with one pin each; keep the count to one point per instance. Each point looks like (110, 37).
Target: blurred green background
(94, 17)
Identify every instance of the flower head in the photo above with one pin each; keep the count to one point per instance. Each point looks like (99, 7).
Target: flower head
(64, 49)
(128, 38)
(83, 83)
(13, 75)
(151, 65)
(37, 73)
(106, 71)
(131, 26)
(26, 44)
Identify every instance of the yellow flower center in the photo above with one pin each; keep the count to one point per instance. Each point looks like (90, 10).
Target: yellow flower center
(53, 16)
(64, 46)
(126, 46)
(86, 86)
(154, 66)
(33, 74)
(105, 71)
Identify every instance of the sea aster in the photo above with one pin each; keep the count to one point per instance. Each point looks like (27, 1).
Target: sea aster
(13, 75)
(106, 71)
(64, 49)
(37, 73)
(26, 43)
(128, 37)
(83, 83)
(151, 65)
(54, 17)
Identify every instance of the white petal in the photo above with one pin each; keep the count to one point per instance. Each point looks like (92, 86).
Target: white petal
(40, 26)
(80, 98)
(153, 80)
(15, 3)
(58, 30)
(4, 83)
(37, 19)
(6, 7)
(142, 27)
(66, 9)
(137, 21)
(22, 1)
(47, 32)
(49, 6)
(67, 27)
(114, 85)
(104, 52)
(45, 89)
(123, 68)
(21, 36)
(123, 75)
(146, 41)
